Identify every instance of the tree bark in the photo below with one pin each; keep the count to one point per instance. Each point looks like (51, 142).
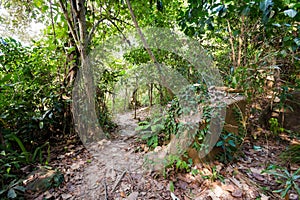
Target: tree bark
(232, 45)
(154, 60)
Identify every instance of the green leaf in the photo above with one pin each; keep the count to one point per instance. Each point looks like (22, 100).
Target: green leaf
(297, 41)
(139, 128)
(20, 188)
(231, 142)
(5, 78)
(278, 191)
(19, 143)
(44, 8)
(41, 125)
(265, 5)
(172, 186)
(157, 128)
(234, 81)
(276, 174)
(296, 187)
(290, 12)
(220, 143)
(11, 193)
(285, 191)
(276, 24)
(2, 191)
(296, 177)
(256, 148)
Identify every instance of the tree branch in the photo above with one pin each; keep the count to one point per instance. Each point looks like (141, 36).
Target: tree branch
(94, 29)
(119, 20)
(82, 27)
(52, 21)
(69, 22)
(141, 34)
(162, 78)
(232, 45)
(115, 25)
(241, 37)
(74, 15)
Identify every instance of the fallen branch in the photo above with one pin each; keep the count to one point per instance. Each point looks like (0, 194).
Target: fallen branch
(118, 181)
(105, 190)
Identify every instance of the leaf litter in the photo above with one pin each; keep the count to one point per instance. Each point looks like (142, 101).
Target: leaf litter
(113, 169)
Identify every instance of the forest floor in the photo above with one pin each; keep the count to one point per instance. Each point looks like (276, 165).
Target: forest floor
(113, 169)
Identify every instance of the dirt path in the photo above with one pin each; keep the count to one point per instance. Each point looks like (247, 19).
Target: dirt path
(116, 171)
(113, 169)
(113, 161)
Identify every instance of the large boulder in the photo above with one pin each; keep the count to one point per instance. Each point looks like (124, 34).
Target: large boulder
(233, 102)
(287, 115)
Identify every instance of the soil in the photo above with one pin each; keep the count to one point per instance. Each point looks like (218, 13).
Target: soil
(113, 169)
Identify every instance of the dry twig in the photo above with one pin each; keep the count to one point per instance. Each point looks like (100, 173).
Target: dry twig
(118, 180)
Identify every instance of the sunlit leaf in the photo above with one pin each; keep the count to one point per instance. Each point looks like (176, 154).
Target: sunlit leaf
(20, 188)
(11, 193)
(297, 41)
(276, 24)
(231, 142)
(290, 12)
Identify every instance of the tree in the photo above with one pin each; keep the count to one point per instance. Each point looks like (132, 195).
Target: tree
(245, 36)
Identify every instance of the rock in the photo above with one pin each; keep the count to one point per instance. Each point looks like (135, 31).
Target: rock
(289, 118)
(43, 179)
(133, 196)
(233, 103)
(183, 142)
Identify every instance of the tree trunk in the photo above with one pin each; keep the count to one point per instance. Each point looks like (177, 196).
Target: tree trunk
(151, 94)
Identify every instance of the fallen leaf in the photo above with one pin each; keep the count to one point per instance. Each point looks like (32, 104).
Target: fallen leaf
(47, 195)
(237, 193)
(236, 182)
(122, 194)
(229, 188)
(264, 197)
(66, 196)
(133, 196)
(218, 191)
(258, 177)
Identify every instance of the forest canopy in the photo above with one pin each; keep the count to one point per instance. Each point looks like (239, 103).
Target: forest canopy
(46, 50)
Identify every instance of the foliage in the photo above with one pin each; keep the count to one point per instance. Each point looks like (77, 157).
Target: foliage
(150, 131)
(248, 39)
(292, 154)
(287, 180)
(31, 106)
(214, 176)
(178, 163)
(32, 100)
(105, 87)
(12, 190)
(275, 127)
(12, 162)
(229, 142)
